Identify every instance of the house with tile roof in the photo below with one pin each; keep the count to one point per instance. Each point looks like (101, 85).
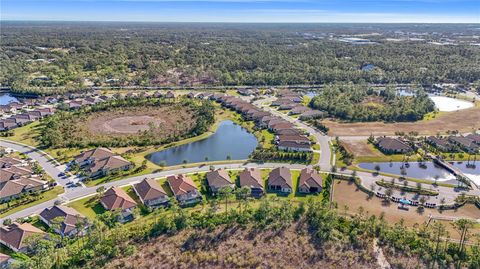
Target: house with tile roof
(116, 199)
(184, 189)
(310, 181)
(219, 179)
(151, 193)
(15, 235)
(72, 222)
(280, 180)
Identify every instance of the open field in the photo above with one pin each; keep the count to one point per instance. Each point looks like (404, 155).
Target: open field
(465, 120)
(347, 194)
(365, 152)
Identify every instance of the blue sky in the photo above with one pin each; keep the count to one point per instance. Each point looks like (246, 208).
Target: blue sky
(429, 11)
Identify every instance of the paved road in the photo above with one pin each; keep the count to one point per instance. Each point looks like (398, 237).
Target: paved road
(322, 140)
(48, 163)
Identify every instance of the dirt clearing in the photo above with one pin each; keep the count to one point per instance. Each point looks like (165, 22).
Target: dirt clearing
(347, 194)
(360, 148)
(166, 120)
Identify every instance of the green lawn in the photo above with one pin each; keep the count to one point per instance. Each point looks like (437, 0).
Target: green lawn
(26, 134)
(89, 206)
(316, 158)
(46, 196)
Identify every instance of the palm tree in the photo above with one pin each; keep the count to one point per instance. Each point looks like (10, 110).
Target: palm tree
(225, 192)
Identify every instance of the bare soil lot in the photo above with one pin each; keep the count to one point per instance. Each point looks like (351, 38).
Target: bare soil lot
(464, 121)
(361, 148)
(165, 120)
(347, 194)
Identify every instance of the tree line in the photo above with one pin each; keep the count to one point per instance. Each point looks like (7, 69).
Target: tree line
(363, 103)
(77, 56)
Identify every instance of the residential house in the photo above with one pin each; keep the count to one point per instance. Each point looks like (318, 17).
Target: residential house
(5, 261)
(392, 145)
(169, 95)
(252, 178)
(293, 146)
(441, 143)
(90, 156)
(288, 132)
(465, 143)
(293, 138)
(15, 235)
(151, 193)
(280, 180)
(310, 181)
(184, 189)
(116, 199)
(312, 114)
(218, 179)
(72, 222)
(297, 110)
(475, 138)
(108, 165)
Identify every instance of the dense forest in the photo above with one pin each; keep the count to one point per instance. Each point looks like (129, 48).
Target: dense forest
(362, 103)
(71, 56)
(324, 236)
(69, 128)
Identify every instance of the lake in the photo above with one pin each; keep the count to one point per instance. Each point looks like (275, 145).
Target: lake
(6, 98)
(429, 171)
(230, 139)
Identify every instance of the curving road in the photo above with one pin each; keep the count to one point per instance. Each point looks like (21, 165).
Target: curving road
(322, 139)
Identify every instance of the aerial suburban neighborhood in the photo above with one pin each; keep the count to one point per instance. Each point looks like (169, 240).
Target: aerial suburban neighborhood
(239, 145)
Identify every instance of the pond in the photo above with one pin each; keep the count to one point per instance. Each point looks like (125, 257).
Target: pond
(6, 98)
(426, 170)
(230, 139)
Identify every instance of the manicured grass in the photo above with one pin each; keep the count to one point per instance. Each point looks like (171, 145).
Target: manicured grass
(46, 196)
(90, 207)
(316, 158)
(267, 137)
(26, 134)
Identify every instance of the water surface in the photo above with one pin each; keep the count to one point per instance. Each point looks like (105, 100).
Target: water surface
(427, 170)
(230, 140)
(6, 98)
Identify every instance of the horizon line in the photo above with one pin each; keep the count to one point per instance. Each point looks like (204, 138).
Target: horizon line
(229, 22)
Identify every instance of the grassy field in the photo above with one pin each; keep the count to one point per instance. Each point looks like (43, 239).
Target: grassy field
(26, 134)
(45, 196)
(90, 207)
